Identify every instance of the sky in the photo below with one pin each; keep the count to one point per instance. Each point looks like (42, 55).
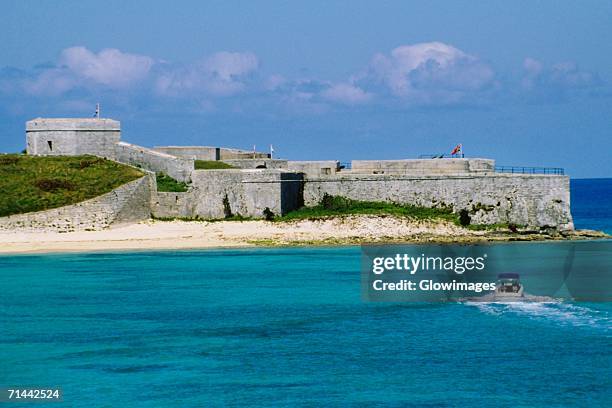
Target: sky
(527, 83)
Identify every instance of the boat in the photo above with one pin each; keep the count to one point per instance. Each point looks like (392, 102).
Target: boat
(508, 287)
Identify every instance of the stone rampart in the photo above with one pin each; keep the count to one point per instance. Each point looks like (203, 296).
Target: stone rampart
(127, 203)
(216, 194)
(257, 163)
(314, 168)
(176, 167)
(530, 200)
(423, 166)
(191, 152)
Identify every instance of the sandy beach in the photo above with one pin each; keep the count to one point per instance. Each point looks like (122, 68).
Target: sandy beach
(225, 234)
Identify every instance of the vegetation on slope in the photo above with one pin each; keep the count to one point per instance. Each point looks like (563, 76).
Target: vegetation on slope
(33, 183)
(333, 206)
(167, 184)
(211, 165)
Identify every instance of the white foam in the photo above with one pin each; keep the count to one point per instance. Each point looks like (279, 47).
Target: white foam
(555, 312)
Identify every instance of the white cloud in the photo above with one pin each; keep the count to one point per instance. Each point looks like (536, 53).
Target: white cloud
(80, 67)
(221, 74)
(109, 67)
(228, 65)
(346, 93)
(556, 78)
(427, 71)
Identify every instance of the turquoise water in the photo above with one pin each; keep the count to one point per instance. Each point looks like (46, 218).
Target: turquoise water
(281, 327)
(287, 327)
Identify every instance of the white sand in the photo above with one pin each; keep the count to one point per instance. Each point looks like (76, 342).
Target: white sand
(183, 235)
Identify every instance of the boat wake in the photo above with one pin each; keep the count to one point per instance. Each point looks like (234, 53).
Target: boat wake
(565, 314)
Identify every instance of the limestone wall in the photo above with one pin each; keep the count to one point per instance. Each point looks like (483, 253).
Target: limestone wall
(191, 152)
(423, 166)
(314, 168)
(532, 200)
(176, 167)
(215, 194)
(243, 192)
(232, 154)
(211, 153)
(257, 163)
(127, 203)
(173, 205)
(56, 137)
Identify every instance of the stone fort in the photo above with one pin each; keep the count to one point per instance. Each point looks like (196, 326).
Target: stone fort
(259, 183)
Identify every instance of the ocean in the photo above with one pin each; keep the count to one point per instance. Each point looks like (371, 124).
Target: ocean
(288, 327)
(591, 204)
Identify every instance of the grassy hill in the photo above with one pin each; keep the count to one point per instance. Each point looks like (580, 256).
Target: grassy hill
(34, 183)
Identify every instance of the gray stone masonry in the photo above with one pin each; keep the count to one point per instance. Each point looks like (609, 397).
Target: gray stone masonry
(59, 137)
(125, 204)
(216, 194)
(315, 168)
(423, 166)
(491, 198)
(178, 168)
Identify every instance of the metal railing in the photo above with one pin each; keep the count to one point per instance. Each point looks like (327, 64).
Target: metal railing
(442, 156)
(559, 171)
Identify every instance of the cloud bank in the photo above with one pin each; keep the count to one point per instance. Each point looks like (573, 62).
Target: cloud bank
(423, 74)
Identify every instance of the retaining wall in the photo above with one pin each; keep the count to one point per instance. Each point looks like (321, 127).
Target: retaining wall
(127, 203)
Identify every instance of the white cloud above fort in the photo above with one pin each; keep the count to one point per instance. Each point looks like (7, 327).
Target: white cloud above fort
(422, 74)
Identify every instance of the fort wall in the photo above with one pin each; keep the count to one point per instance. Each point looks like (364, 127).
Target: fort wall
(125, 204)
(211, 153)
(314, 168)
(191, 152)
(423, 166)
(257, 163)
(217, 194)
(178, 168)
(461, 184)
(529, 200)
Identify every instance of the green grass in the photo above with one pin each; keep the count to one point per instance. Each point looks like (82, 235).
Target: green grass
(167, 184)
(334, 206)
(211, 165)
(34, 183)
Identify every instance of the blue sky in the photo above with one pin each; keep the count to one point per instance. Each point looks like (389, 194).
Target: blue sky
(526, 83)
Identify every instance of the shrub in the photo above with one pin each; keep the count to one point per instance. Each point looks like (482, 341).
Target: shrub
(51, 185)
(332, 206)
(464, 218)
(8, 160)
(227, 209)
(167, 184)
(268, 214)
(87, 162)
